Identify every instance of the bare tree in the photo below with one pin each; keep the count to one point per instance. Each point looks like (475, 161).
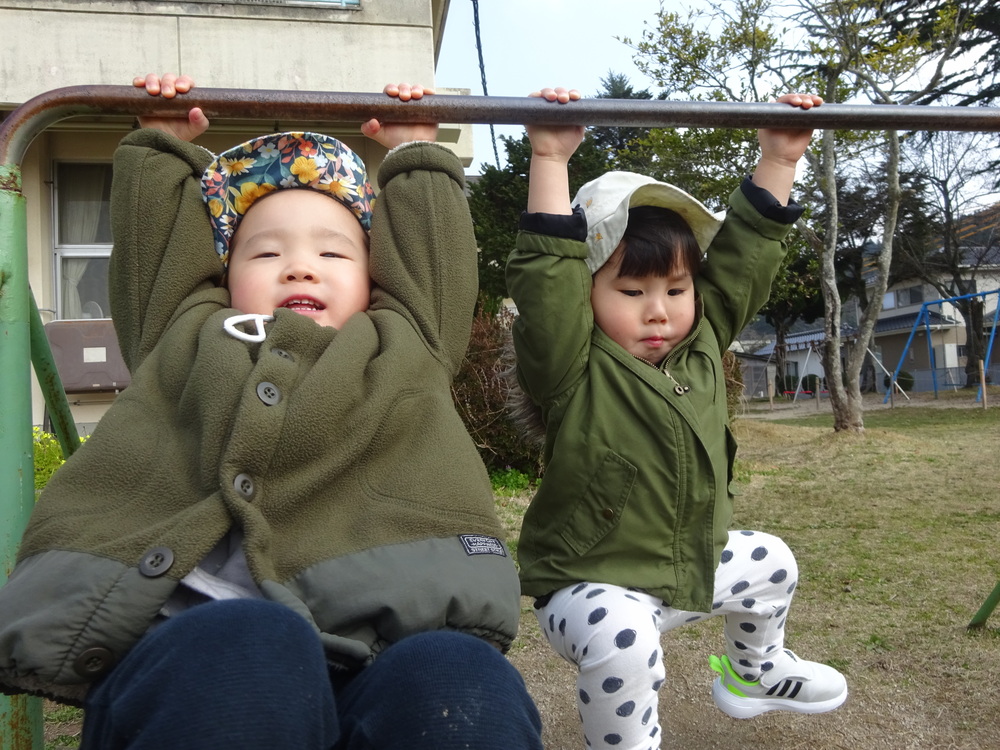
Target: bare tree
(860, 56)
(846, 50)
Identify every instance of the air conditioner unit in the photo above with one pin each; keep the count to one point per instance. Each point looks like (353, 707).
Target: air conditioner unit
(87, 356)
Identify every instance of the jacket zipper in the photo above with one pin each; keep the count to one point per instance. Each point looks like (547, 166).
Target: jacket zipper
(679, 389)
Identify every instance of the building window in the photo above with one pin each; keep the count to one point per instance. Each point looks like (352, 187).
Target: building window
(83, 240)
(911, 295)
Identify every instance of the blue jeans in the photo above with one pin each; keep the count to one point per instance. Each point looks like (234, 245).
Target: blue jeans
(251, 674)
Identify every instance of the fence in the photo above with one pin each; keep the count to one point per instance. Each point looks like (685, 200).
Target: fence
(948, 378)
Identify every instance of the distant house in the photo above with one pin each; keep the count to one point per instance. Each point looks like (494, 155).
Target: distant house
(803, 357)
(898, 341)
(939, 336)
(755, 370)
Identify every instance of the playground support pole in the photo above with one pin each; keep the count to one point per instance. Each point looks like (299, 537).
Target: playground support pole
(982, 381)
(20, 716)
(979, 620)
(51, 384)
(989, 345)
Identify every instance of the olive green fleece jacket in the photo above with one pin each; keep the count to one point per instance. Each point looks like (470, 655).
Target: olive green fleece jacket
(638, 459)
(362, 499)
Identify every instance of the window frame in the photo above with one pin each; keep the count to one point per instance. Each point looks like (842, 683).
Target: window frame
(63, 251)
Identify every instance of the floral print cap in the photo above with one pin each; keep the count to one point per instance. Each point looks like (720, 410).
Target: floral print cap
(247, 172)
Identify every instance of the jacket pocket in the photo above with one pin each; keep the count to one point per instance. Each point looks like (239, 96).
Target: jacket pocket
(601, 507)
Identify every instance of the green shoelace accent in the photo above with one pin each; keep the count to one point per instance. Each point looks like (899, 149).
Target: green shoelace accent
(724, 667)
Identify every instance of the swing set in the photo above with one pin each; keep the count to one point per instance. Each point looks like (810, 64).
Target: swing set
(23, 342)
(924, 320)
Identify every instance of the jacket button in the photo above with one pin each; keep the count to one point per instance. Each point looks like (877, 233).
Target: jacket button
(156, 562)
(680, 390)
(244, 485)
(94, 662)
(282, 353)
(608, 513)
(268, 393)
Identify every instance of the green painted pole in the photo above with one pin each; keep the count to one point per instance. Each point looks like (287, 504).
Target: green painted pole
(979, 620)
(21, 725)
(51, 384)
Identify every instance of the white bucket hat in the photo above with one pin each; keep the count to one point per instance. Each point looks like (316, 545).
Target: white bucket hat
(606, 202)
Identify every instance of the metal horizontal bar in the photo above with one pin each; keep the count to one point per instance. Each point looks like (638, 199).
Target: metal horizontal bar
(17, 131)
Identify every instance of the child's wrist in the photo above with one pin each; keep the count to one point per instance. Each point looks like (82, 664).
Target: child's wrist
(774, 161)
(553, 159)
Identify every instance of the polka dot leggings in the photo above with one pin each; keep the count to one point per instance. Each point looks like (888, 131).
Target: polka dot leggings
(612, 635)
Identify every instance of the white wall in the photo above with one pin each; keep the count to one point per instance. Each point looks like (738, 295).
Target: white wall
(58, 43)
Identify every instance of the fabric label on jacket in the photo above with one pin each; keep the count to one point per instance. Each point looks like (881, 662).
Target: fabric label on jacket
(476, 544)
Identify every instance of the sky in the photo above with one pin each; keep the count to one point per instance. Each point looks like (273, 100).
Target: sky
(530, 44)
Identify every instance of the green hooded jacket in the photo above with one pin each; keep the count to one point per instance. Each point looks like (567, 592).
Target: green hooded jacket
(338, 454)
(638, 459)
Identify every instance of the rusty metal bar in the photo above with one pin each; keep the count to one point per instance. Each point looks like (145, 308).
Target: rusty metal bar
(20, 127)
(59, 104)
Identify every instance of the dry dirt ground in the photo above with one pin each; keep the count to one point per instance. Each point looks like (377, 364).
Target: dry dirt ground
(889, 707)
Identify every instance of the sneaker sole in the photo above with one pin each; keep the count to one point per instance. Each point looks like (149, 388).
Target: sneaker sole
(747, 708)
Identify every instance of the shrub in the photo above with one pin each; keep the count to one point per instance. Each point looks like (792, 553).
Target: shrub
(480, 393)
(734, 383)
(788, 383)
(48, 456)
(904, 379)
(509, 481)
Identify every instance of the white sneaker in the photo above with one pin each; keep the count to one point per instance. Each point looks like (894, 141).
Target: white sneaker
(793, 684)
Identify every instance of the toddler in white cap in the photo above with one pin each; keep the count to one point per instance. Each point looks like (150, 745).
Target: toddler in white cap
(628, 296)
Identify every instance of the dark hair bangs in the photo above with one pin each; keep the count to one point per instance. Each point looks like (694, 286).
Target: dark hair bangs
(658, 242)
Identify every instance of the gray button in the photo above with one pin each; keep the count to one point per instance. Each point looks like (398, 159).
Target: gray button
(268, 393)
(282, 353)
(94, 662)
(244, 485)
(156, 562)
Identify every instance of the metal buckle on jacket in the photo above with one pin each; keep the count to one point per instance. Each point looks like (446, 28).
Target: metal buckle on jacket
(259, 320)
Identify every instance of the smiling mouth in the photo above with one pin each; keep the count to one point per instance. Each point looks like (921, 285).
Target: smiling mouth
(303, 304)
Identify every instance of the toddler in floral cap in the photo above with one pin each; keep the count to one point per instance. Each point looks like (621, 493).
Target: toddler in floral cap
(280, 534)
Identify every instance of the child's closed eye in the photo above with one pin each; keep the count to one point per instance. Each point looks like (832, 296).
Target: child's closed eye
(632, 292)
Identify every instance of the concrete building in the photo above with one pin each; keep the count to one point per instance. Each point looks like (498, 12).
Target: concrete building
(296, 45)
